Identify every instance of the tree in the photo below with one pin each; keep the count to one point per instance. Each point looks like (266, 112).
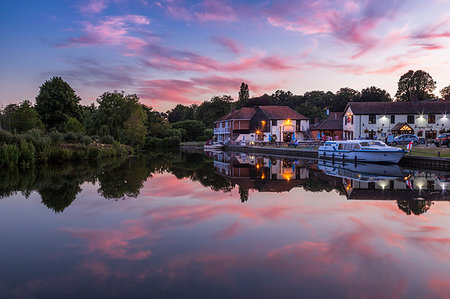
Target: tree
(22, 117)
(56, 102)
(445, 91)
(73, 125)
(264, 100)
(210, 111)
(342, 97)
(134, 128)
(415, 82)
(374, 94)
(193, 129)
(115, 116)
(244, 96)
(181, 112)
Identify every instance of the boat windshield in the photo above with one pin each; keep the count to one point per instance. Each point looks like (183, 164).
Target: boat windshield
(369, 143)
(378, 143)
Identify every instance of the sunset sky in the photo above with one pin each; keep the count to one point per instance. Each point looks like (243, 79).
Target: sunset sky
(175, 51)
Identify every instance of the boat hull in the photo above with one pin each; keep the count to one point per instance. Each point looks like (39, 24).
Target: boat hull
(391, 157)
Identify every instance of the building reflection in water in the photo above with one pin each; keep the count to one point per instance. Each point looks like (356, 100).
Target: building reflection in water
(414, 191)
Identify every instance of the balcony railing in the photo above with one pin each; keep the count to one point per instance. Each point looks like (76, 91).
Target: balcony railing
(221, 130)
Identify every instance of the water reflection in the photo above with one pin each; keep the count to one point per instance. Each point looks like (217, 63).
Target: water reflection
(413, 190)
(182, 230)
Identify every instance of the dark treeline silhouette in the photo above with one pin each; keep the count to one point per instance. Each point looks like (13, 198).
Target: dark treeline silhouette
(121, 117)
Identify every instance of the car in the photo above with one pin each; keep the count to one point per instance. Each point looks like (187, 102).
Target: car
(443, 139)
(405, 139)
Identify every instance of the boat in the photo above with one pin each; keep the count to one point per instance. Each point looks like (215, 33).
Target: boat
(212, 145)
(363, 172)
(371, 151)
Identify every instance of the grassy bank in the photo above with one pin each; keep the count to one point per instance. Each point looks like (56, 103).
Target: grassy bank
(35, 147)
(443, 152)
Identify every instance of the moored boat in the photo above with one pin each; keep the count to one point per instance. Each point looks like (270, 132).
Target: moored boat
(372, 151)
(212, 145)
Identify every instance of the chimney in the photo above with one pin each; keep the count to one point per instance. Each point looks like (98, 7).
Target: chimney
(447, 97)
(316, 120)
(413, 97)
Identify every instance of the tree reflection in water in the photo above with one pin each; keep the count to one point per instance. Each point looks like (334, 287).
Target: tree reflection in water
(59, 185)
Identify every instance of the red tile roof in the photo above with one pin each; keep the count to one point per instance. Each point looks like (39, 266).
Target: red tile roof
(281, 112)
(245, 113)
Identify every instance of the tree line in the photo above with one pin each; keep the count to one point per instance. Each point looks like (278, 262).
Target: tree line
(120, 117)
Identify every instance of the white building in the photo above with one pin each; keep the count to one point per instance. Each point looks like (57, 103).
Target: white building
(369, 119)
(261, 124)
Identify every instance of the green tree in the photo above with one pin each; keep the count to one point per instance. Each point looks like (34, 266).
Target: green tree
(114, 111)
(181, 112)
(73, 125)
(56, 102)
(244, 96)
(342, 97)
(210, 111)
(415, 82)
(193, 129)
(374, 94)
(134, 127)
(22, 117)
(445, 91)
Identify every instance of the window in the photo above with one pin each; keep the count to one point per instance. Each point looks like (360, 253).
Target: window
(410, 119)
(274, 122)
(431, 118)
(372, 119)
(392, 118)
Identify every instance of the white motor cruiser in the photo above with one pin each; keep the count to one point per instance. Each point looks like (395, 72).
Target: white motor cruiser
(372, 151)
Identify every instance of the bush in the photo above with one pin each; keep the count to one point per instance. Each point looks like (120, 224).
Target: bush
(168, 142)
(6, 136)
(70, 137)
(107, 139)
(27, 154)
(86, 140)
(56, 137)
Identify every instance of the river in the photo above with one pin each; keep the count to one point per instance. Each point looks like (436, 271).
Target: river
(224, 225)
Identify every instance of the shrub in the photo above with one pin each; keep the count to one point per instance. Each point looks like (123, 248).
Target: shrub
(86, 140)
(56, 137)
(27, 154)
(70, 137)
(5, 136)
(107, 139)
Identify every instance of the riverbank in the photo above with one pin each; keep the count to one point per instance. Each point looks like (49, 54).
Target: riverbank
(37, 148)
(428, 162)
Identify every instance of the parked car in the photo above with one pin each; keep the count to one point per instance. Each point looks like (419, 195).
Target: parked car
(405, 139)
(443, 139)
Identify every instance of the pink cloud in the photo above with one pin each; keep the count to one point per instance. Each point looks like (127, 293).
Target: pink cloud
(207, 11)
(350, 22)
(228, 44)
(165, 92)
(111, 31)
(94, 6)
(214, 10)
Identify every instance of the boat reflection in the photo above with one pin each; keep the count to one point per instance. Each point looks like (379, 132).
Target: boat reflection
(413, 190)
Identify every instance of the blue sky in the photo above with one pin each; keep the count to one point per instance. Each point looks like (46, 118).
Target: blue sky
(174, 51)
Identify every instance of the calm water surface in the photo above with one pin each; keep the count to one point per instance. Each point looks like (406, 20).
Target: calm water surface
(224, 225)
